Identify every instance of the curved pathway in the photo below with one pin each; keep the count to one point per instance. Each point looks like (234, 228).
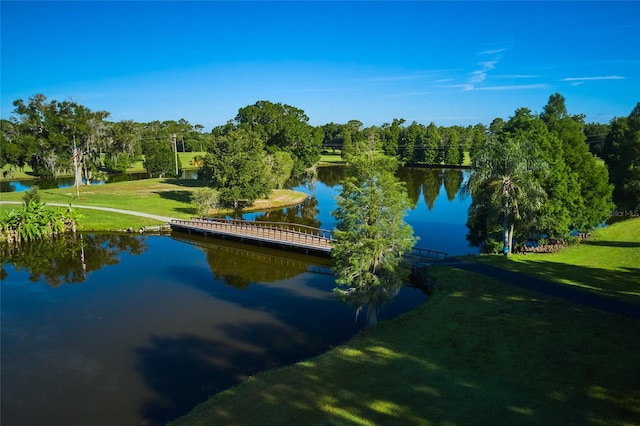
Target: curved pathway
(106, 209)
(562, 291)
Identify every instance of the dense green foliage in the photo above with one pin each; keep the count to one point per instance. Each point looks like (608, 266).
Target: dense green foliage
(621, 152)
(237, 167)
(578, 194)
(281, 128)
(160, 161)
(42, 133)
(205, 199)
(410, 145)
(35, 221)
(506, 195)
(371, 236)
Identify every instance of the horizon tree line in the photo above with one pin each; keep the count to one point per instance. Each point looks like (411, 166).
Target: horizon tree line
(41, 134)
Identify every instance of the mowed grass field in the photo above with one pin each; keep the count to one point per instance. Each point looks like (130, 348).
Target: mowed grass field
(479, 352)
(164, 197)
(607, 264)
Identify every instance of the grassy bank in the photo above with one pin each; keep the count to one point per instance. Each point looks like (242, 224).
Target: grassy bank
(607, 264)
(165, 197)
(479, 352)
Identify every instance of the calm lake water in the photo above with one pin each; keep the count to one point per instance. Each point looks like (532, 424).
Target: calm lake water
(106, 329)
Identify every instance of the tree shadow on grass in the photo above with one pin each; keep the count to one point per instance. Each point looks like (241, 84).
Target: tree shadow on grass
(619, 284)
(180, 196)
(486, 353)
(186, 210)
(613, 289)
(187, 183)
(622, 244)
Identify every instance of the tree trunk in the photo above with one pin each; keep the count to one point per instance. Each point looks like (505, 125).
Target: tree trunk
(510, 238)
(505, 236)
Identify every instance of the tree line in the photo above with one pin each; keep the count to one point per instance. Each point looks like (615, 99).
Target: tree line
(535, 179)
(267, 142)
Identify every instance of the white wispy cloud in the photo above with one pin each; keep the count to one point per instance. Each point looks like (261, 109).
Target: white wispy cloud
(492, 51)
(465, 86)
(601, 77)
(391, 78)
(513, 87)
(480, 75)
(516, 76)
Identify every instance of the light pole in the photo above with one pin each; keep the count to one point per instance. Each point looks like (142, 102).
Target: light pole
(175, 150)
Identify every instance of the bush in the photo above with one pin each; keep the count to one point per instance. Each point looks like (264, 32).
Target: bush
(31, 195)
(205, 199)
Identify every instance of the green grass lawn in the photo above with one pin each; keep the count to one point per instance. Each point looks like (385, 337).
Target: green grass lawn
(331, 158)
(164, 197)
(478, 353)
(607, 264)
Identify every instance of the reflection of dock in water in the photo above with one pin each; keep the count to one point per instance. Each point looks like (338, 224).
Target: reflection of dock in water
(240, 254)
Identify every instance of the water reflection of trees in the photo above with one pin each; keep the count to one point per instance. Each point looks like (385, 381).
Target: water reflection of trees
(69, 258)
(304, 213)
(240, 264)
(371, 298)
(431, 186)
(429, 182)
(331, 175)
(452, 179)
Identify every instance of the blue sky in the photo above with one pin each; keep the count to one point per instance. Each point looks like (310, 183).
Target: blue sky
(447, 62)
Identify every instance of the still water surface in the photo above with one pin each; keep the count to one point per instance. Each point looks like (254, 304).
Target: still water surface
(117, 329)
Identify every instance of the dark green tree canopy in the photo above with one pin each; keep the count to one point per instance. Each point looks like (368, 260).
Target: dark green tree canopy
(283, 127)
(237, 167)
(621, 152)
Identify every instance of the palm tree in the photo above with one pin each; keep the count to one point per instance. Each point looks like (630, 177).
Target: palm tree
(504, 179)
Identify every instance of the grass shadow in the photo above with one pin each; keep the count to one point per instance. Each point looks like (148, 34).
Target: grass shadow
(620, 284)
(180, 196)
(186, 183)
(186, 210)
(479, 352)
(622, 244)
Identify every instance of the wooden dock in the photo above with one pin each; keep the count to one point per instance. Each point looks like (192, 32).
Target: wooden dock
(278, 234)
(282, 235)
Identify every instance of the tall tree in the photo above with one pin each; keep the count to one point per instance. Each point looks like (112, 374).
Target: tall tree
(432, 153)
(595, 134)
(283, 127)
(126, 144)
(555, 218)
(237, 167)
(391, 136)
(592, 177)
(47, 131)
(452, 149)
(371, 235)
(622, 154)
(503, 187)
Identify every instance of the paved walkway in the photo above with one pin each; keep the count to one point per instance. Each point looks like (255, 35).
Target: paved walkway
(106, 209)
(562, 291)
